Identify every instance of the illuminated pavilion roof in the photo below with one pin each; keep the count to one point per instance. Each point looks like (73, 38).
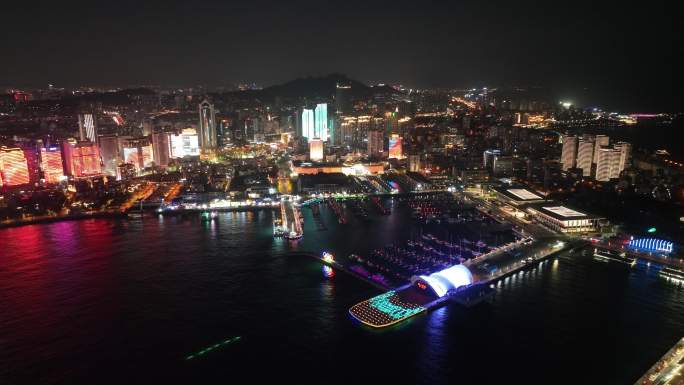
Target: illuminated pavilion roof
(385, 310)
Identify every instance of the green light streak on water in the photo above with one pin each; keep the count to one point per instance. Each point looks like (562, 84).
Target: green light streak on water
(212, 348)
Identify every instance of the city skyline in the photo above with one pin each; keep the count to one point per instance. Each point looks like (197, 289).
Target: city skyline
(622, 57)
(341, 192)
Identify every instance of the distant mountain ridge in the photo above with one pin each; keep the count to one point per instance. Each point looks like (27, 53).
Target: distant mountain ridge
(323, 87)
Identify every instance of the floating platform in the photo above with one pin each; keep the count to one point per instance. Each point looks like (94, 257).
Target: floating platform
(392, 307)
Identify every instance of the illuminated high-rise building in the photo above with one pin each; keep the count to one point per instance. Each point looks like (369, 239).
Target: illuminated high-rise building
(81, 159)
(308, 123)
(600, 141)
(347, 130)
(13, 167)
(110, 151)
(343, 103)
(32, 155)
(585, 155)
(569, 152)
(375, 143)
(161, 148)
(87, 127)
(208, 137)
(395, 149)
(316, 149)
(488, 158)
(625, 154)
(321, 121)
(391, 122)
(185, 144)
(51, 164)
(608, 165)
(298, 124)
(138, 152)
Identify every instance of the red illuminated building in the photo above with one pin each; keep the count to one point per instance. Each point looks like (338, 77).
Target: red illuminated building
(51, 164)
(13, 167)
(81, 159)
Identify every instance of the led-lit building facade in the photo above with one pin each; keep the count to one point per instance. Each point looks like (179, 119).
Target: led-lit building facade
(208, 136)
(321, 122)
(308, 123)
(625, 154)
(316, 149)
(585, 155)
(81, 159)
(185, 144)
(599, 142)
(651, 245)
(138, 152)
(32, 155)
(13, 167)
(87, 127)
(608, 165)
(395, 147)
(51, 164)
(308, 168)
(569, 152)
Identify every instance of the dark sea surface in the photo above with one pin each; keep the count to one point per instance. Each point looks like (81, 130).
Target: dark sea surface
(127, 301)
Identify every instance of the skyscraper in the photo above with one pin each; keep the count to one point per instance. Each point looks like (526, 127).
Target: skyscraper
(81, 159)
(321, 121)
(51, 164)
(138, 152)
(13, 167)
(87, 127)
(298, 124)
(608, 165)
(569, 152)
(185, 144)
(600, 141)
(488, 158)
(395, 149)
(343, 103)
(32, 155)
(110, 153)
(585, 155)
(308, 124)
(208, 137)
(625, 154)
(161, 148)
(375, 143)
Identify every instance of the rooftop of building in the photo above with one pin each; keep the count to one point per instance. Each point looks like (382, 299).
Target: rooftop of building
(561, 212)
(520, 194)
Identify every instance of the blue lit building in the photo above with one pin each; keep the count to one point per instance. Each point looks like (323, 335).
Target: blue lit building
(308, 124)
(321, 122)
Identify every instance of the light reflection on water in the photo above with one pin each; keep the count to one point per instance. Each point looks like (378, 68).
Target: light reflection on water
(94, 291)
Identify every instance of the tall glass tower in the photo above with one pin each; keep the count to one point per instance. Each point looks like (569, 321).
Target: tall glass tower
(308, 124)
(321, 121)
(208, 138)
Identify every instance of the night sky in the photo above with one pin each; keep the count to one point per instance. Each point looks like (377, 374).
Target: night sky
(619, 55)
